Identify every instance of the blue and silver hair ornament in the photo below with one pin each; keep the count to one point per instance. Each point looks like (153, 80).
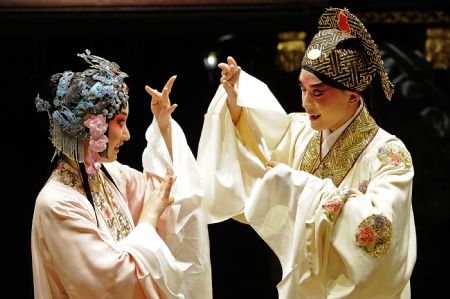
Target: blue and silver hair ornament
(100, 89)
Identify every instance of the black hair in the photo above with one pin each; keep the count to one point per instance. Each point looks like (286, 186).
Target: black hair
(373, 95)
(86, 187)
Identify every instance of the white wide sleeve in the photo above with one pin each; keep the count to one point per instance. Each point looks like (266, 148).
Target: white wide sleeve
(228, 167)
(87, 262)
(279, 208)
(318, 230)
(156, 262)
(186, 229)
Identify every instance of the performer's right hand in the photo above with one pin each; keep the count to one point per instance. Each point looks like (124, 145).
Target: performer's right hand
(230, 81)
(158, 200)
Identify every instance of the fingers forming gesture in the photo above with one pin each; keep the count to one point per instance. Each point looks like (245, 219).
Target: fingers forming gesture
(159, 200)
(230, 79)
(230, 76)
(160, 103)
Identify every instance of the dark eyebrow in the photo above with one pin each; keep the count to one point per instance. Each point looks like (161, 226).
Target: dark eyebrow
(321, 84)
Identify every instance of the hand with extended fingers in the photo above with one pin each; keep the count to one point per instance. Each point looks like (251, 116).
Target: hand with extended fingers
(158, 200)
(160, 104)
(230, 75)
(229, 80)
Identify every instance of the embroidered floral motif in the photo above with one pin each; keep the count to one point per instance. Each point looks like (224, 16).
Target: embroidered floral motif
(333, 205)
(67, 176)
(374, 235)
(117, 221)
(394, 155)
(107, 213)
(362, 186)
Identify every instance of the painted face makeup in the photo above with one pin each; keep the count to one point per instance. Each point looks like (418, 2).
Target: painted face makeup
(117, 134)
(327, 107)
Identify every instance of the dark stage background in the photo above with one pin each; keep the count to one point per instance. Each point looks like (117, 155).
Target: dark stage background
(151, 43)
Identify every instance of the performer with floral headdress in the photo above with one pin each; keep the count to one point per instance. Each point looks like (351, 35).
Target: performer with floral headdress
(328, 190)
(102, 229)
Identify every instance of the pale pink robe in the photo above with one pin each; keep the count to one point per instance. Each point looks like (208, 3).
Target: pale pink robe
(76, 257)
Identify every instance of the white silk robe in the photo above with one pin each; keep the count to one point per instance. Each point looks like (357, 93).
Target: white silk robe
(79, 254)
(341, 226)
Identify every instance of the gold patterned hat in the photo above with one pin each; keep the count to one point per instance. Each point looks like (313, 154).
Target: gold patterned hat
(342, 54)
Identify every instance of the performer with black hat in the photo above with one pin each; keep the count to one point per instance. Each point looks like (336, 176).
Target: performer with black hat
(328, 189)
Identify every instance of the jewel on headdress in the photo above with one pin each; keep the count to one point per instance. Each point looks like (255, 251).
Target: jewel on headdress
(342, 23)
(97, 91)
(314, 54)
(338, 30)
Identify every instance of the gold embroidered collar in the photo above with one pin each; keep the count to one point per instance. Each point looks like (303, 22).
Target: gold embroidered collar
(344, 152)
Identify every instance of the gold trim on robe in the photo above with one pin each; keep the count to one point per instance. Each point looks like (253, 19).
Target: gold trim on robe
(111, 211)
(104, 199)
(344, 152)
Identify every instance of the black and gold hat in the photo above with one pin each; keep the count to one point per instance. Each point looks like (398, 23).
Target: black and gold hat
(342, 54)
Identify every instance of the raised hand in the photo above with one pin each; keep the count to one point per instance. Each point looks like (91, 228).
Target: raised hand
(230, 71)
(158, 200)
(160, 104)
(230, 80)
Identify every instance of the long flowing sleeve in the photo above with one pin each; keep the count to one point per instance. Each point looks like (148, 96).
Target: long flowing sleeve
(75, 257)
(362, 239)
(355, 239)
(80, 253)
(186, 232)
(134, 187)
(228, 162)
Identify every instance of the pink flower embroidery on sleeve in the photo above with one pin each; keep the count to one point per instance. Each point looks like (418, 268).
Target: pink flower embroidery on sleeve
(394, 155)
(333, 205)
(374, 235)
(365, 236)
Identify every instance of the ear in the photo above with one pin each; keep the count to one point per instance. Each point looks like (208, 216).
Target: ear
(354, 97)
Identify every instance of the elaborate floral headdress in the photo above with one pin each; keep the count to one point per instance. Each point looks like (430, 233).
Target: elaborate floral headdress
(343, 54)
(83, 104)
